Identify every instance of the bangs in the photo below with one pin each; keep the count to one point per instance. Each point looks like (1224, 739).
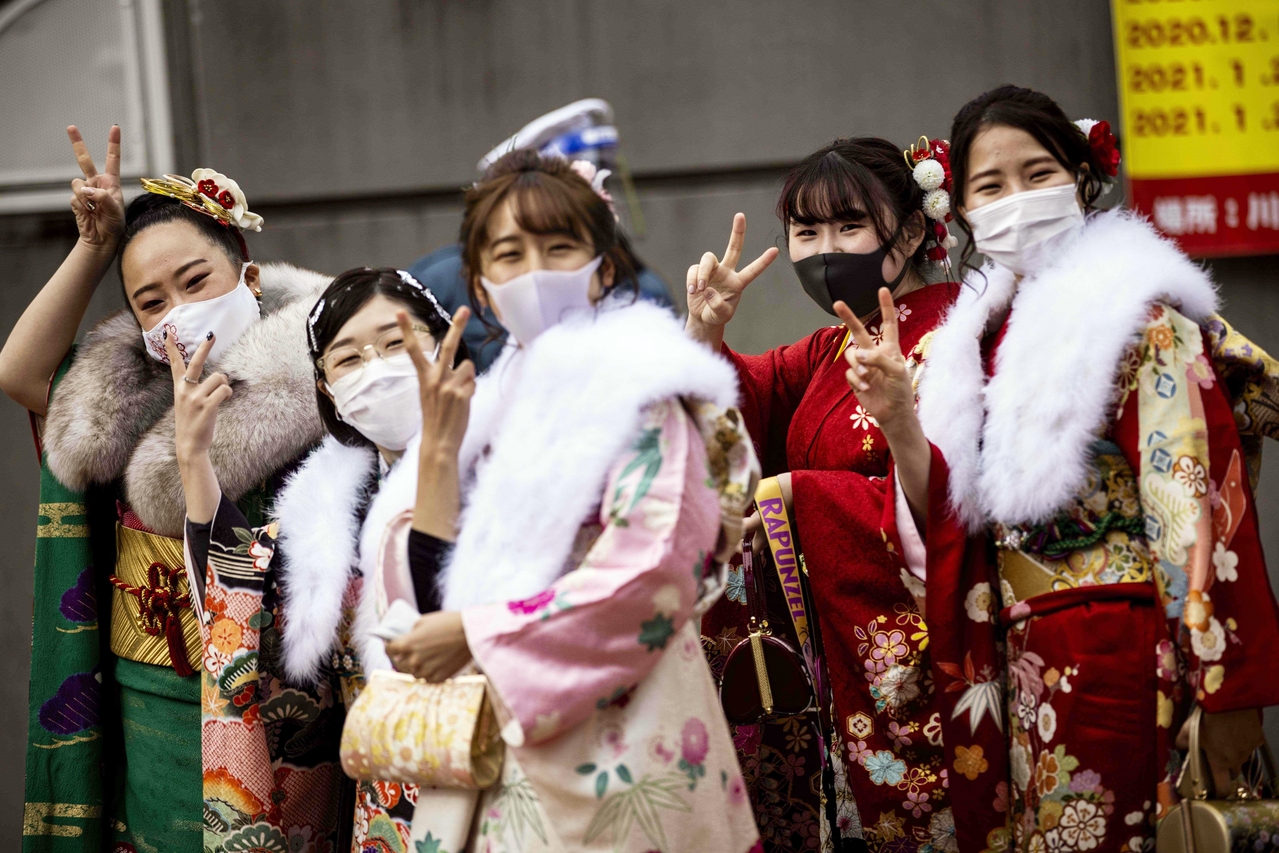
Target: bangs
(829, 189)
(546, 207)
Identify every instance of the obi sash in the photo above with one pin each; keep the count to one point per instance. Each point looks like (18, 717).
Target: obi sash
(151, 616)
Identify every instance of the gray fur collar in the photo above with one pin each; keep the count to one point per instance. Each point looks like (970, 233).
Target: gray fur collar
(111, 416)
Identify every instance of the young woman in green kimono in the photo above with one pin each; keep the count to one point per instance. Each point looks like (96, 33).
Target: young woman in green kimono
(113, 755)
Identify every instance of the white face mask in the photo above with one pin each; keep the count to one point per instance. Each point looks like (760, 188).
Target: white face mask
(1011, 230)
(531, 303)
(381, 401)
(227, 316)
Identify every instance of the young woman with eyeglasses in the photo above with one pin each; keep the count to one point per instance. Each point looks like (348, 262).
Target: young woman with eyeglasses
(287, 595)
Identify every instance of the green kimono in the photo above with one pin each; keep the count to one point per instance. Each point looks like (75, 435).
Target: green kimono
(113, 738)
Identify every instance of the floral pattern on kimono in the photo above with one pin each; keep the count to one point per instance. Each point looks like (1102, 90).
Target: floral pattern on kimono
(890, 785)
(1201, 523)
(272, 780)
(383, 810)
(1251, 378)
(610, 713)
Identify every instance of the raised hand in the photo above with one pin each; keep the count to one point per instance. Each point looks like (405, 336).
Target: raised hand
(715, 286)
(446, 407)
(195, 411)
(877, 369)
(97, 200)
(446, 390)
(878, 376)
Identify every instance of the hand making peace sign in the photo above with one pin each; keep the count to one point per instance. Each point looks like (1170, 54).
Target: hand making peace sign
(195, 411)
(98, 201)
(446, 390)
(195, 401)
(715, 286)
(877, 371)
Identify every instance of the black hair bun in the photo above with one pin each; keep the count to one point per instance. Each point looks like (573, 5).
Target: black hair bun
(146, 203)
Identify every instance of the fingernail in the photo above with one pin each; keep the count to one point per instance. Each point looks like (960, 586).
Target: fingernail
(209, 336)
(164, 336)
(701, 282)
(87, 190)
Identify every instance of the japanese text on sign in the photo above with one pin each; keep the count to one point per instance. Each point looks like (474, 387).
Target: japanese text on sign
(1199, 89)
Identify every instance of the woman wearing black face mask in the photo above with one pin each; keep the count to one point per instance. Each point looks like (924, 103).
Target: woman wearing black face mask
(859, 217)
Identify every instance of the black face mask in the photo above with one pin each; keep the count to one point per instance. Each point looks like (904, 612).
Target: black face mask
(843, 276)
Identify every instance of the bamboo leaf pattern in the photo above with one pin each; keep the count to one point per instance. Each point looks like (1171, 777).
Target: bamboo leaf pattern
(978, 700)
(640, 804)
(517, 805)
(649, 458)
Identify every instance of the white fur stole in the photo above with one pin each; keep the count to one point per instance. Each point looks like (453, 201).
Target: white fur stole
(318, 549)
(1018, 445)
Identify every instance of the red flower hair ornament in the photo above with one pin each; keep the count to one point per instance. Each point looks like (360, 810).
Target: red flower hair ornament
(929, 162)
(1105, 148)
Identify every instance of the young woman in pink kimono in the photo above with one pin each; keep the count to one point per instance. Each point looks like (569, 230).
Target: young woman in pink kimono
(603, 477)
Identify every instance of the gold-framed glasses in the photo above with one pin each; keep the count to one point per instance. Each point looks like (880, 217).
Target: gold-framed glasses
(344, 361)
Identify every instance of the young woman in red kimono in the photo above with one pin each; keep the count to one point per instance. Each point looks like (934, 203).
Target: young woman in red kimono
(855, 221)
(1091, 453)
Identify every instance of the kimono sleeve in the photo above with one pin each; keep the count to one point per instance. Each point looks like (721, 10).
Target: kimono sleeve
(232, 619)
(773, 384)
(589, 639)
(1178, 431)
(967, 664)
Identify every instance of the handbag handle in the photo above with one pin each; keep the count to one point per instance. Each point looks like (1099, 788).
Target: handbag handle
(756, 603)
(1198, 781)
(1198, 790)
(758, 627)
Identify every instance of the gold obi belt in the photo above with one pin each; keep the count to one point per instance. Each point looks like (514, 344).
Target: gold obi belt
(1117, 557)
(151, 616)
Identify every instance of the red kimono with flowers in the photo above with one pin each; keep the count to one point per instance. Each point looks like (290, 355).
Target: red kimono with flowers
(805, 419)
(1157, 556)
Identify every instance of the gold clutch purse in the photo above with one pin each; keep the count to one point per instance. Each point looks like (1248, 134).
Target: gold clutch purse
(1247, 822)
(401, 729)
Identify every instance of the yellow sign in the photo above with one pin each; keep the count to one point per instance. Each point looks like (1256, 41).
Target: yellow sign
(1198, 86)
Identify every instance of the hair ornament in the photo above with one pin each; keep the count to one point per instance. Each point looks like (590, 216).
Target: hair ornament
(1104, 145)
(209, 192)
(311, 321)
(409, 279)
(595, 176)
(929, 162)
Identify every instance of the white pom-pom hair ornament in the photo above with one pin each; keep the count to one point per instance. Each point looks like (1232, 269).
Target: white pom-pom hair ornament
(1085, 124)
(937, 204)
(929, 174)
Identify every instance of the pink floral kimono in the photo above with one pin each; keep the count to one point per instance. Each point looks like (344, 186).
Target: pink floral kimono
(592, 540)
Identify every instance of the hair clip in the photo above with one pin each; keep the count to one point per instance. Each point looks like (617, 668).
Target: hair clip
(311, 321)
(595, 176)
(409, 279)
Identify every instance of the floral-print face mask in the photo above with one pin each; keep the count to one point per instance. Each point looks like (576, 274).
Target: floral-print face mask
(227, 316)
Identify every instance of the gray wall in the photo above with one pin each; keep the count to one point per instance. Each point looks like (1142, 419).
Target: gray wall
(352, 124)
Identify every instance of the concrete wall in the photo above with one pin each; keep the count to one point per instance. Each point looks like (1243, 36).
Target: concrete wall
(352, 124)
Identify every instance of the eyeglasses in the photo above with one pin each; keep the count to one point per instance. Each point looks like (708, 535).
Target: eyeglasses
(347, 360)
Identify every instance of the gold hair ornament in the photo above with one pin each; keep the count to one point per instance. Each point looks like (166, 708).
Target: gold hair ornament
(921, 150)
(210, 193)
